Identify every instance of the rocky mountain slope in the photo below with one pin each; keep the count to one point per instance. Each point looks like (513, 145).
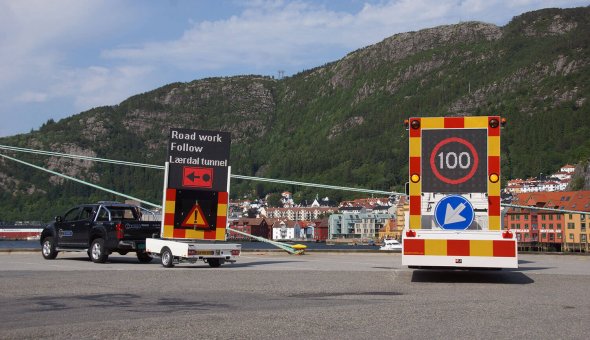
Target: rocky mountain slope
(340, 123)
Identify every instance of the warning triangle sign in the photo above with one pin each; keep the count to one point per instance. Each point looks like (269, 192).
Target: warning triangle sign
(195, 218)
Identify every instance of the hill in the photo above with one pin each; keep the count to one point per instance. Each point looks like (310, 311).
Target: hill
(340, 123)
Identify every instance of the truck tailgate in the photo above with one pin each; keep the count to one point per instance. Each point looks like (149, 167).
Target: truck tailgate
(139, 230)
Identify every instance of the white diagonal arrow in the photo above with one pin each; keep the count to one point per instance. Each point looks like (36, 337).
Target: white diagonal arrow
(454, 215)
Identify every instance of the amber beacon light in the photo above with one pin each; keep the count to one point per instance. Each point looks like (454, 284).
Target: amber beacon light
(415, 178)
(494, 123)
(494, 178)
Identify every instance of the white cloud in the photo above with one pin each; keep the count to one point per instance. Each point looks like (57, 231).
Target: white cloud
(29, 96)
(34, 33)
(268, 34)
(101, 86)
(39, 44)
(259, 36)
(66, 51)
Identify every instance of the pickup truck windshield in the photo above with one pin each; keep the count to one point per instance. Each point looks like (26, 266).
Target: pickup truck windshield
(116, 213)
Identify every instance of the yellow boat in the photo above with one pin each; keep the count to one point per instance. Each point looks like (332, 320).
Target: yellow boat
(299, 246)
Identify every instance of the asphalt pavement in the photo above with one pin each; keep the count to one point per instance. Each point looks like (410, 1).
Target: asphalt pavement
(276, 295)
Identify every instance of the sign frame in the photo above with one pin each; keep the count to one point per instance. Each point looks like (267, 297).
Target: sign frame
(193, 153)
(417, 125)
(196, 181)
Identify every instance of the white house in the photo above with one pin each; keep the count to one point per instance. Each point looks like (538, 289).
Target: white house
(280, 231)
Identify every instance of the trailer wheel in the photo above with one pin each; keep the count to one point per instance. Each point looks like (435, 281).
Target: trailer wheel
(143, 256)
(98, 253)
(214, 263)
(48, 250)
(167, 257)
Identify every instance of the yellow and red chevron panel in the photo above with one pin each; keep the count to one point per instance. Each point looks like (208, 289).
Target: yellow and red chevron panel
(169, 231)
(443, 247)
(493, 162)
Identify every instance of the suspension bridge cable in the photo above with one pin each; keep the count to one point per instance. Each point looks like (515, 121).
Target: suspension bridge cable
(251, 178)
(281, 245)
(546, 209)
(161, 167)
(315, 185)
(88, 158)
(81, 181)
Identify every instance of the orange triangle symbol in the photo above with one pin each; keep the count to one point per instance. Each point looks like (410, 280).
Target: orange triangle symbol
(195, 218)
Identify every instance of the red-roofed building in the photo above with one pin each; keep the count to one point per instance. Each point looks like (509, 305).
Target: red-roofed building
(321, 230)
(367, 203)
(568, 168)
(293, 230)
(551, 229)
(252, 226)
(552, 182)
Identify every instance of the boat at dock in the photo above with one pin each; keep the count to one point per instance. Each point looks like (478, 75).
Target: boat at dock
(20, 232)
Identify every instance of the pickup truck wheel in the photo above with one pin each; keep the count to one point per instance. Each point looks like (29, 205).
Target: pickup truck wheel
(167, 258)
(98, 253)
(214, 263)
(48, 250)
(143, 257)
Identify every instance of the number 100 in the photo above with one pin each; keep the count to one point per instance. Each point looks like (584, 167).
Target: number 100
(451, 160)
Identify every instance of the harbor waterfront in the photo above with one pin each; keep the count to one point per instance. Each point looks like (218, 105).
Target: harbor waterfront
(246, 246)
(273, 294)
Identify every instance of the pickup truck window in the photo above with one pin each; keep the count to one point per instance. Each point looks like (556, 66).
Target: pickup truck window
(117, 213)
(86, 214)
(103, 215)
(72, 215)
(123, 213)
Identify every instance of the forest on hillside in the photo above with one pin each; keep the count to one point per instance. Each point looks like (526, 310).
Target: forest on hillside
(339, 123)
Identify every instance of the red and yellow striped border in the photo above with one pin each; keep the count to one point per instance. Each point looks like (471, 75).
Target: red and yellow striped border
(169, 231)
(491, 248)
(415, 147)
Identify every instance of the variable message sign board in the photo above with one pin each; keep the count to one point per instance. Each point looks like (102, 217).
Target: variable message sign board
(197, 184)
(198, 159)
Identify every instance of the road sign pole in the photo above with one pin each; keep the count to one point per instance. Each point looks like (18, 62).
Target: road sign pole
(166, 169)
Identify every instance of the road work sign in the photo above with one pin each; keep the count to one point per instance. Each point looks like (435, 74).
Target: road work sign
(198, 159)
(196, 189)
(454, 156)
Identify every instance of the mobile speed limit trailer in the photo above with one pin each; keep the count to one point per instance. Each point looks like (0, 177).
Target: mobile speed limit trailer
(454, 195)
(195, 202)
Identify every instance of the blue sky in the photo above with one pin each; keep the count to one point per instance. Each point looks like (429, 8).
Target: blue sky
(62, 57)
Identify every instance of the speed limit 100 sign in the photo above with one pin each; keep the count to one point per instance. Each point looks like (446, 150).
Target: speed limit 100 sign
(454, 160)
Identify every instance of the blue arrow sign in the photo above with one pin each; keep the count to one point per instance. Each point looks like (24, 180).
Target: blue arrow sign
(454, 212)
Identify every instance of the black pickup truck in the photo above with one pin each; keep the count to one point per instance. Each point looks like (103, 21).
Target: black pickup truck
(99, 229)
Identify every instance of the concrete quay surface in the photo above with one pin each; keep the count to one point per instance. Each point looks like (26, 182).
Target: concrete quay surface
(276, 295)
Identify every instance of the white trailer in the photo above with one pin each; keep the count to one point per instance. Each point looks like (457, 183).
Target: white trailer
(172, 252)
(194, 208)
